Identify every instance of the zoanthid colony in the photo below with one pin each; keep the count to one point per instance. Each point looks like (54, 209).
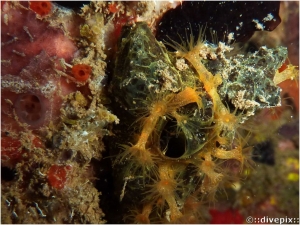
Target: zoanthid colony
(186, 114)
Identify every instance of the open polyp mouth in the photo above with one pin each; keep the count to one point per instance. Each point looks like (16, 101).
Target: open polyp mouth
(30, 109)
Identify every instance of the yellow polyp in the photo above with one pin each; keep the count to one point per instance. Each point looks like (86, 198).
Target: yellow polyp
(148, 127)
(190, 45)
(291, 72)
(211, 135)
(187, 96)
(164, 189)
(158, 109)
(210, 81)
(167, 187)
(229, 154)
(208, 168)
(225, 119)
(195, 60)
(140, 216)
(146, 212)
(139, 158)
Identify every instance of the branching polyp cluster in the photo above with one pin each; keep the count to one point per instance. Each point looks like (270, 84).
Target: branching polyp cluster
(188, 105)
(167, 106)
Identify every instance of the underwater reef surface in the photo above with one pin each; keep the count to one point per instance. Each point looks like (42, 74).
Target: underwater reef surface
(149, 112)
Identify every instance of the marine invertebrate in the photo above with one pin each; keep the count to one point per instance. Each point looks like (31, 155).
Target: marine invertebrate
(178, 131)
(39, 102)
(29, 81)
(42, 8)
(57, 175)
(227, 216)
(31, 109)
(164, 188)
(286, 72)
(139, 216)
(11, 151)
(166, 106)
(14, 151)
(81, 72)
(206, 103)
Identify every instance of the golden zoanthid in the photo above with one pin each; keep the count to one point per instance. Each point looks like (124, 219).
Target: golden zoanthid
(184, 121)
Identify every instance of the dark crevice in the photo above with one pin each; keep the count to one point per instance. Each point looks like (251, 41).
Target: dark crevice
(7, 174)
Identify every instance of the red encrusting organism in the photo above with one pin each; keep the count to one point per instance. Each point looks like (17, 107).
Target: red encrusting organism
(37, 142)
(229, 216)
(42, 8)
(81, 72)
(120, 22)
(57, 176)
(11, 151)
